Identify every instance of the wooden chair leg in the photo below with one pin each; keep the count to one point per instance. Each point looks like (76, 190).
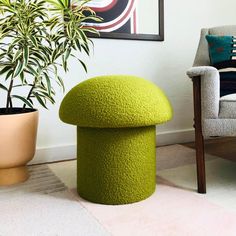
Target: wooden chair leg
(200, 159)
(199, 140)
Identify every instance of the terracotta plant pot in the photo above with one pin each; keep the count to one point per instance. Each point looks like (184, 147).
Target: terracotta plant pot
(18, 133)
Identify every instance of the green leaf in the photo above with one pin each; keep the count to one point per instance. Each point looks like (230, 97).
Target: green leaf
(64, 64)
(3, 87)
(83, 35)
(5, 69)
(61, 83)
(22, 77)
(48, 83)
(86, 49)
(68, 51)
(91, 30)
(31, 70)
(22, 85)
(83, 64)
(26, 55)
(24, 100)
(46, 96)
(40, 100)
(18, 69)
(39, 56)
(54, 54)
(78, 44)
(8, 74)
(34, 41)
(17, 55)
(92, 18)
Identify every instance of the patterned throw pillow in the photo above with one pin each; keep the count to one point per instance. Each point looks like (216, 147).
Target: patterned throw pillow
(222, 52)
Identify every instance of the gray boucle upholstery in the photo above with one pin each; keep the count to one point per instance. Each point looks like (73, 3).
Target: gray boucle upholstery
(223, 30)
(202, 55)
(219, 127)
(218, 114)
(210, 89)
(228, 107)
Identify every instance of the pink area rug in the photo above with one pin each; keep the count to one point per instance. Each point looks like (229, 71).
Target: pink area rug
(169, 211)
(175, 209)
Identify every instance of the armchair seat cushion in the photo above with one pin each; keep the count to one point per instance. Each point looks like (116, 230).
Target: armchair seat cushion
(225, 123)
(228, 106)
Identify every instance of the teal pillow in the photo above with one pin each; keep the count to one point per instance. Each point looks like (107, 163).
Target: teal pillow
(222, 49)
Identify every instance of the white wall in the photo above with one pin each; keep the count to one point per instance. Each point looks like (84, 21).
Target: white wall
(164, 63)
(143, 23)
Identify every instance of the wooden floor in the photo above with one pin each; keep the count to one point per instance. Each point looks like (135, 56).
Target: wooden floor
(221, 147)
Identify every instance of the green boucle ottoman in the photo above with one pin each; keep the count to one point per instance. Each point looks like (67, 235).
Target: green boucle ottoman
(115, 118)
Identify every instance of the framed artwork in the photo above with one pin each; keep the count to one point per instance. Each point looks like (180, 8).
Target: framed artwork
(129, 19)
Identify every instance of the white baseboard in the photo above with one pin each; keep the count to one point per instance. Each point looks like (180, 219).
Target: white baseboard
(176, 136)
(68, 152)
(52, 154)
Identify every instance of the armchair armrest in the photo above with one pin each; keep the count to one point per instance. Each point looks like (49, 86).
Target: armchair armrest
(201, 70)
(210, 89)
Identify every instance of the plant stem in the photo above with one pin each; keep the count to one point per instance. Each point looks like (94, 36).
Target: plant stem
(9, 101)
(30, 92)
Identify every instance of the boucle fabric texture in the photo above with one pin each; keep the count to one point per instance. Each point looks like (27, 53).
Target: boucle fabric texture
(210, 89)
(116, 166)
(115, 118)
(115, 101)
(228, 106)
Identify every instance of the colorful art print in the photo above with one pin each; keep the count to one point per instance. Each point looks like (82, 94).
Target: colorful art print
(118, 16)
(120, 19)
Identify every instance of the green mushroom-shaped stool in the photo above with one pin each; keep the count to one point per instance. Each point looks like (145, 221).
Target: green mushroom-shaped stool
(115, 118)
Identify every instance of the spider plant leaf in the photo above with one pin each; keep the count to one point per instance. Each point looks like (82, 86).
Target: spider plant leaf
(26, 55)
(46, 96)
(40, 100)
(61, 83)
(34, 41)
(91, 30)
(85, 48)
(24, 100)
(17, 55)
(82, 35)
(78, 44)
(5, 69)
(68, 51)
(49, 87)
(9, 74)
(22, 77)
(64, 64)
(3, 87)
(18, 69)
(32, 70)
(83, 64)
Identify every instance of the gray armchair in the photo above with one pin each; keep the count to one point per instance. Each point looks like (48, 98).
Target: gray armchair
(213, 115)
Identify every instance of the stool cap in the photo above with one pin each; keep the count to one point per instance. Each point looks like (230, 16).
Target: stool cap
(115, 101)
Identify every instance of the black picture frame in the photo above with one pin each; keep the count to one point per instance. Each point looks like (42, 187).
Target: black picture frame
(148, 37)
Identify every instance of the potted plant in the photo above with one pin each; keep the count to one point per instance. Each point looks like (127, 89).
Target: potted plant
(37, 37)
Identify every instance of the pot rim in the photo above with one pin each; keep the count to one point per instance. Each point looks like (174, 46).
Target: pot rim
(17, 111)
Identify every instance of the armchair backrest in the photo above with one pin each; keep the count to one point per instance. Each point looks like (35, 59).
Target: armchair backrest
(202, 55)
